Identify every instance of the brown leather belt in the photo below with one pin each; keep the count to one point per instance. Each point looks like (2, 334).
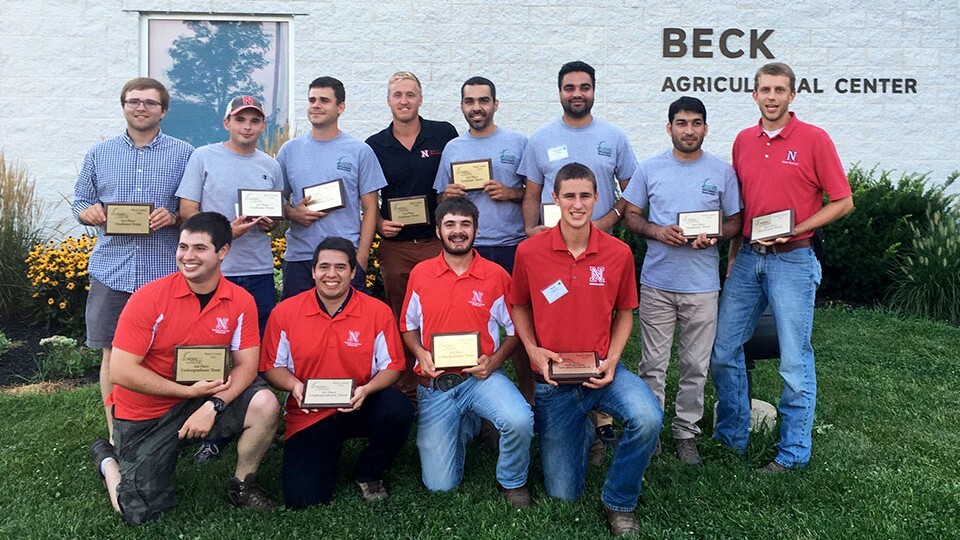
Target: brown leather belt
(779, 248)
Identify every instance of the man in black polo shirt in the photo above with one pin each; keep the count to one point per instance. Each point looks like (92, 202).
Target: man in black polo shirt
(409, 153)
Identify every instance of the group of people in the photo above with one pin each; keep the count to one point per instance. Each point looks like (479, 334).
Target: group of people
(482, 261)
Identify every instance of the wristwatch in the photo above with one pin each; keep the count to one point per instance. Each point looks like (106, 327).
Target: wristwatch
(218, 404)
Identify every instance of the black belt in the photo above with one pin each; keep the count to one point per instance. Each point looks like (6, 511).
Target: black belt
(780, 248)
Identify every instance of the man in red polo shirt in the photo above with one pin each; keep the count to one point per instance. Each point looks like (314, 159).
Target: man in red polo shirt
(333, 332)
(153, 414)
(783, 164)
(459, 291)
(574, 289)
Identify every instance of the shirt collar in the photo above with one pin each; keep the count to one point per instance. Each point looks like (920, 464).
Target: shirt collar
(152, 144)
(475, 269)
(349, 308)
(181, 288)
(785, 131)
(557, 243)
(425, 133)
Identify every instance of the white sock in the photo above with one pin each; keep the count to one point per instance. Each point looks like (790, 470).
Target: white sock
(103, 464)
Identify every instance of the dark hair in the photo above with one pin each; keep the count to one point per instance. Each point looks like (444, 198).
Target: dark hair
(775, 68)
(576, 65)
(458, 206)
(688, 104)
(146, 83)
(478, 81)
(336, 243)
(212, 223)
(329, 82)
(573, 171)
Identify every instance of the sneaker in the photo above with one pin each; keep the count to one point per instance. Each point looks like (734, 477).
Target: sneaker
(597, 454)
(519, 497)
(771, 468)
(247, 494)
(373, 491)
(687, 452)
(101, 449)
(607, 435)
(622, 523)
(489, 436)
(208, 451)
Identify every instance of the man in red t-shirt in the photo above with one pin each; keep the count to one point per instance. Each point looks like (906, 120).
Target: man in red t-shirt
(154, 415)
(460, 292)
(333, 332)
(574, 290)
(783, 164)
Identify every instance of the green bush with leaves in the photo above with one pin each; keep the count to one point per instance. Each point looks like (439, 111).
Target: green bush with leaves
(863, 250)
(928, 278)
(61, 357)
(20, 228)
(5, 343)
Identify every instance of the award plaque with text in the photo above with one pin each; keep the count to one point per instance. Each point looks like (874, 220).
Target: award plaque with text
(576, 368)
(260, 203)
(194, 363)
(549, 214)
(455, 350)
(132, 219)
(327, 393)
(770, 226)
(472, 175)
(695, 223)
(326, 196)
(409, 210)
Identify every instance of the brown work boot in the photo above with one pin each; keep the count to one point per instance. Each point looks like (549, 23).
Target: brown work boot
(373, 491)
(771, 468)
(622, 523)
(247, 494)
(597, 454)
(519, 497)
(687, 452)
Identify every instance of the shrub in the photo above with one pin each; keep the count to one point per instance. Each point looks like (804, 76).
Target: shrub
(928, 278)
(61, 357)
(20, 229)
(862, 250)
(5, 343)
(59, 280)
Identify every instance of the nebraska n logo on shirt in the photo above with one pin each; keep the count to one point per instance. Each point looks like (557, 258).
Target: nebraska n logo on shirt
(596, 275)
(223, 325)
(353, 338)
(477, 299)
(791, 158)
(424, 153)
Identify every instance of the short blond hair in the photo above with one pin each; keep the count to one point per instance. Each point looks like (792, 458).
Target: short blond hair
(404, 76)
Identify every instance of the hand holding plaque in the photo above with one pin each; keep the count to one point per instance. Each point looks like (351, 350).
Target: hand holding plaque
(132, 219)
(327, 393)
(326, 196)
(260, 203)
(772, 226)
(576, 367)
(200, 363)
(472, 175)
(455, 350)
(696, 223)
(549, 214)
(409, 210)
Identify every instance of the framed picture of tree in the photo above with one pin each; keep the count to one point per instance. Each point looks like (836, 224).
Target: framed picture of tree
(206, 60)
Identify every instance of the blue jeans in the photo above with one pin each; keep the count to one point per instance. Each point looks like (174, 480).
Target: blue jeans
(264, 293)
(448, 420)
(566, 435)
(788, 282)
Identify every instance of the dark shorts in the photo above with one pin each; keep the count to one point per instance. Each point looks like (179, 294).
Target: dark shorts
(502, 255)
(264, 292)
(148, 451)
(103, 310)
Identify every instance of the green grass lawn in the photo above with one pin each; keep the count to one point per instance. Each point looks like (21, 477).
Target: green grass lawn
(886, 464)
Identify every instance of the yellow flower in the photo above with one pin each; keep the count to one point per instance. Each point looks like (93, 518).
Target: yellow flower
(63, 305)
(50, 301)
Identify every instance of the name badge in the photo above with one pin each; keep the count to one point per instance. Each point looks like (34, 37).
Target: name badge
(558, 152)
(555, 291)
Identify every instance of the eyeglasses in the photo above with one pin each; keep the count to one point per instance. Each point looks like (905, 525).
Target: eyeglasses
(136, 103)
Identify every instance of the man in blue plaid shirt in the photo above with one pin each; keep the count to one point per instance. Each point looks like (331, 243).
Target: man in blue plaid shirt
(140, 166)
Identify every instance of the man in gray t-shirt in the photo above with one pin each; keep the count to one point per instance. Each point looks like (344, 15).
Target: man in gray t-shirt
(211, 182)
(326, 155)
(680, 279)
(500, 226)
(577, 137)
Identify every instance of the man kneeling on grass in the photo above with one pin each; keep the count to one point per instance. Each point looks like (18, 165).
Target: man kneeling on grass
(349, 345)
(154, 414)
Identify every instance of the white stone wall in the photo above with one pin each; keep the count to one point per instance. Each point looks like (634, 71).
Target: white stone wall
(62, 65)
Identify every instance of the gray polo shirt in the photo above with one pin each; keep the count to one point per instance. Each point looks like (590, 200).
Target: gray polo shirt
(306, 162)
(501, 222)
(212, 178)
